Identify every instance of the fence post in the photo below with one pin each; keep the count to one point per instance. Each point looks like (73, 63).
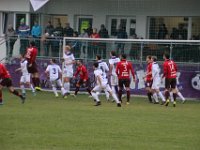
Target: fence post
(141, 51)
(170, 53)
(60, 49)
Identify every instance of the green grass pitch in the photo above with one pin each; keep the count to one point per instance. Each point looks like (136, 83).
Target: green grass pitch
(48, 123)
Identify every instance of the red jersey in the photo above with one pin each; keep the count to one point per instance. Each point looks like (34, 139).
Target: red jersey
(31, 54)
(82, 71)
(4, 72)
(148, 72)
(169, 69)
(123, 69)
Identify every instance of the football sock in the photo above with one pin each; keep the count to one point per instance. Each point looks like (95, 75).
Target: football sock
(55, 90)
(16, 93)
(120, 95)
(149, 96)
(155, 97)
(107, 95)
(171, 97)
(37, 82)
(31, 86)
(63, 91)
(66, 86)
(95, 96)
(128, 95)
(89, 91)
(115, 98)
(167, 95)
(1, 96)
(161, 96)
(34, 82)
(76, 90)
(23, 89)
(181, 96)
(174, 96)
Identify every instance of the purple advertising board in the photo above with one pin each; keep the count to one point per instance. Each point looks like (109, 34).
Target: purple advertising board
(188, 78)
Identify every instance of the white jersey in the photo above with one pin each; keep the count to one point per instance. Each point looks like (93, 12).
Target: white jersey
(155, 70)
(98, 72)
(104, 67)
(68, 58)
(54, 71)
(23, 65)
(113, 61)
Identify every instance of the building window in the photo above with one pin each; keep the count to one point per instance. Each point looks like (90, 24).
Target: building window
(195, 28)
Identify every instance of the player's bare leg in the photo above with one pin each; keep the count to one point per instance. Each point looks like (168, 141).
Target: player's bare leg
(66, 86)
(15, 92)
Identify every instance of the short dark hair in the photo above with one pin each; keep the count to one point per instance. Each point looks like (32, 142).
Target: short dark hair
(53, 60)
(149, 56)
(98, 57)
(96, 64)
(32, 43)
(154, 58)
(123, 56)
(113, 53)
(166, 55)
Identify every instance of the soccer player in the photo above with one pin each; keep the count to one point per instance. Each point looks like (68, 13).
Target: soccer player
(148, 78)
(104, 67)
(102, 84)
(179, 94)
(156, 81)
(113, 78)
(83, 77)
(123, 70)
(169, 72)
(54, 72)
(69, 61)
(26, 77)
(5, 80)
(30, 55)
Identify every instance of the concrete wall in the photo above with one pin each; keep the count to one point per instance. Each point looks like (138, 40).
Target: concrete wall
(15, 5)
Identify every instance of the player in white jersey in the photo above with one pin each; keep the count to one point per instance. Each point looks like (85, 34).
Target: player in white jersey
(113, 76)
(156, 81)
(101, 84)
(26, 77)
(69, 61)
(54, 72)
(104, 67)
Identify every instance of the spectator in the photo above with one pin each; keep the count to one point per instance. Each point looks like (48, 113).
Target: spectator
(89, 30)
(36, 33)
(23, 32)
(76, 46)
(134, 52)
(68, 31)
(103, 33)
(10, 35)
(162, 31)
(121, 34)
(84, 44)
(94, 47)
(174, 34)
(58, 31)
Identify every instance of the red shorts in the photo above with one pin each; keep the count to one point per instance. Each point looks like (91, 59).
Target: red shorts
(124, 82)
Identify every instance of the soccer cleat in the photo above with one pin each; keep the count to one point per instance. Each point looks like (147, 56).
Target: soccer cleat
(23, 99)
(97, 104)
(1, 103)
(38, 88)
(74, 95)
(90, 96)
(174, 104)
(167, 102)
(127, 103)
(183, 101)
(118, 105)
(162, 103)
(56, 95)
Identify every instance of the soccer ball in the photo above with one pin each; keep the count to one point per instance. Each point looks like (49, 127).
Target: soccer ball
(196, 82)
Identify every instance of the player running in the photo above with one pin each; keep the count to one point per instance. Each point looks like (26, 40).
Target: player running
(5, 80)
(148, 78)
(54, 72)
(156, 81)
(169, 72)
(104, 67)
(113, 76)
(83, 77)
(30, 55)
(102, 84)
(69, 61)
(26, 77)
(123, 70)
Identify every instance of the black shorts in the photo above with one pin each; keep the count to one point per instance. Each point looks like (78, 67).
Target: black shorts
(81, 82)
(6, 82)
(33, 68)
(170, 83)
(148, 84)
(124, 82)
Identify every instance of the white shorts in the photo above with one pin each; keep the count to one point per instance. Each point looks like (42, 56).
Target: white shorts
(114, 80)
(67, 73)
(55, 82)
(25, 78)
(105, 87)
(156, 84)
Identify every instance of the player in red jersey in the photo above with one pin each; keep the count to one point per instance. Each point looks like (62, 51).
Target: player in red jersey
(148, 78)
(123, 70)
(83, 77)
(169, 72)
(30, 55)
(5, 80)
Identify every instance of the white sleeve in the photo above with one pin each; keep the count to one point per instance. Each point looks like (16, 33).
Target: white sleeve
(72, 57)
(48, 68)
(59, 70)
(106, 67)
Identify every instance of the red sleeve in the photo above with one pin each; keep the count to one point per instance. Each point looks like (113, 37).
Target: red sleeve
(164, 70)
(33, 55)
(77, 72)
(85, 73)
(117, 69)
